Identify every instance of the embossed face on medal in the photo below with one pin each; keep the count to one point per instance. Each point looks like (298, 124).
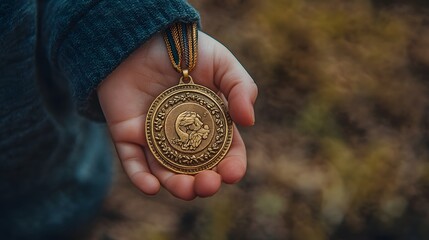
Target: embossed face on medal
(188, 128)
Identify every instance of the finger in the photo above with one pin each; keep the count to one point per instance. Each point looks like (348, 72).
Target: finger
(240, 105)
(134, 164)
(233, 167)
(207, 183)
(232, 79)
(179, 185)
(238, 87)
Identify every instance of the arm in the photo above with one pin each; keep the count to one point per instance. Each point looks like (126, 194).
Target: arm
(85, 40)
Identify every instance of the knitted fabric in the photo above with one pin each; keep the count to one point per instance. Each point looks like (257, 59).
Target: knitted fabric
(55, 163)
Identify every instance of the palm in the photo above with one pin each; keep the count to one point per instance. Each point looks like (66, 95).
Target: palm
(127, 93)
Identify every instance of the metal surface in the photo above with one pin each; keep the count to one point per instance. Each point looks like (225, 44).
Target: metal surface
(188, 128)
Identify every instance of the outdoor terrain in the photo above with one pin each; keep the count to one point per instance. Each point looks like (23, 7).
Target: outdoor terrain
(340, 145)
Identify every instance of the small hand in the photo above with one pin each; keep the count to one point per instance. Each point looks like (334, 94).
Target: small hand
(125, 97)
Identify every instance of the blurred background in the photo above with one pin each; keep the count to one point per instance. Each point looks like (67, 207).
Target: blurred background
(340, 145)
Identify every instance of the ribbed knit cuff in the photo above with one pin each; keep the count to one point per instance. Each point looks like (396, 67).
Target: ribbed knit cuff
(105, 36)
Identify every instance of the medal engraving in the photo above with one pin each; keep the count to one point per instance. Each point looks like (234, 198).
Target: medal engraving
(188, 128)
(191, 131)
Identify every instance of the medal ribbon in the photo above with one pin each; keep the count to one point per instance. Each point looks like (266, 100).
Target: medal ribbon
(181, 40)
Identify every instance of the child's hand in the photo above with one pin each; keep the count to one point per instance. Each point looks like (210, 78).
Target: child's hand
(126, 94)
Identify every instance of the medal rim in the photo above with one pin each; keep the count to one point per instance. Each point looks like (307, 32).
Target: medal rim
(150, 138)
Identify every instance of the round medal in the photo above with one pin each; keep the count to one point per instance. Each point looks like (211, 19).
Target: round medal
(188, 128)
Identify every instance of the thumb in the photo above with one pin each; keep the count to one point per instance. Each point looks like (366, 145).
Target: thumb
(236, 84)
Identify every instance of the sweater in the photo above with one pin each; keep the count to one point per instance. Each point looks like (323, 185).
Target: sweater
(55, 161)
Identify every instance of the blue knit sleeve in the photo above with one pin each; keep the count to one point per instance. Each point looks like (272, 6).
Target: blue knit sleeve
(87, 39)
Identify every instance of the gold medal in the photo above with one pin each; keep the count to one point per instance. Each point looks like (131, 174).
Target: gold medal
(188, 128)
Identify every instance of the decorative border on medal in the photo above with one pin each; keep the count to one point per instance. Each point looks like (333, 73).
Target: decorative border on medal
(152, 120)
